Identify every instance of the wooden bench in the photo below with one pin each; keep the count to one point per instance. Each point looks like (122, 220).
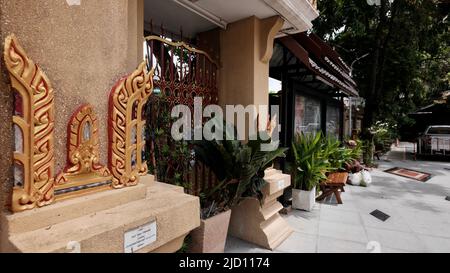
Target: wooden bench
(334, 185)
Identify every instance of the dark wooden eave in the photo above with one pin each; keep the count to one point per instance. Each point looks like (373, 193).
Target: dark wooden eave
(321, 61)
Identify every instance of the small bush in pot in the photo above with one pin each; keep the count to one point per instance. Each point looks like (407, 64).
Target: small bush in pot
(311, 166)
(240, 170)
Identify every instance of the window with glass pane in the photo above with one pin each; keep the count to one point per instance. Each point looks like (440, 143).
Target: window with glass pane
(307, 115)
(333, 121)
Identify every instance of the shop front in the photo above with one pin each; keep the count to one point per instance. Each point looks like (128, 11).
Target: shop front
(315, 81)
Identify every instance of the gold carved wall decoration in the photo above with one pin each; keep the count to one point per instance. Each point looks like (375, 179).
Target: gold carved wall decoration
(126, 127)
(34, 124)
(84, 173)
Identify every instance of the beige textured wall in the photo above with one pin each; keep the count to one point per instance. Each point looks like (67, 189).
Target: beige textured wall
(245, 51)
(83, 49)
(237, 48)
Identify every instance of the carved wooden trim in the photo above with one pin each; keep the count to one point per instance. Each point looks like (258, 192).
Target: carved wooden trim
(37, 125)
(126, 126)
(84, 173)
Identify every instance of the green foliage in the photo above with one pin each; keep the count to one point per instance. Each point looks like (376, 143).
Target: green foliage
(338, 155)
(316, 155)
(384, 135)
(311, 162)
(168, 159)
(409, 54)
(186, 243)
(368, 151)
(356, 152)
(239, 168)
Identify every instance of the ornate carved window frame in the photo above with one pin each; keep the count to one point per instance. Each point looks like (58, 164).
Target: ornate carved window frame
(84, 173)
(137, 87)
(37, 127)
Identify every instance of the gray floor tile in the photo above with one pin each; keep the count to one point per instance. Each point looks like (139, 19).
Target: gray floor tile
(299, 243)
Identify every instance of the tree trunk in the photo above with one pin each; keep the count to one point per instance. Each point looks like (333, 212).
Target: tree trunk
(371, 108)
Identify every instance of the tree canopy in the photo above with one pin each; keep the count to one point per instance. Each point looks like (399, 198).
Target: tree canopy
(405, 50)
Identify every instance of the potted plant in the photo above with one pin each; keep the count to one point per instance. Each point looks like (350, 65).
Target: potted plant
(338, 155)
(240, 170)
(310, 168)
(215, 210)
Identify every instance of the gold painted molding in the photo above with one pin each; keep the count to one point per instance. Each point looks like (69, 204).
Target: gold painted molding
(36, 123)
(126, 127)
(84, 174)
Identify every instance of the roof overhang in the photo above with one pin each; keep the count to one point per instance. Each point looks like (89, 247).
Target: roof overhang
(297, 14)
(201, 15)
(326, 66)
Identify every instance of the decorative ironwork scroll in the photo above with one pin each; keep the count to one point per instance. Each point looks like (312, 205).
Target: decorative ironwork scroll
(126, 127)
(84, 173)
(181, 72)
(34, 122)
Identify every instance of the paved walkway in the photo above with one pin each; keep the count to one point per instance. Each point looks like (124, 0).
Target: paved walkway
(419, 222)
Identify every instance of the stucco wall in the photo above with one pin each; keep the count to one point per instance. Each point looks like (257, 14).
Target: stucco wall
(83, 50)
(246, 47)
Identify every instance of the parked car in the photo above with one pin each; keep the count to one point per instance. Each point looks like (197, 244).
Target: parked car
(435, 141)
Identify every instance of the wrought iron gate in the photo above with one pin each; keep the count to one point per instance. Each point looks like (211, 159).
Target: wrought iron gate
(181, 73)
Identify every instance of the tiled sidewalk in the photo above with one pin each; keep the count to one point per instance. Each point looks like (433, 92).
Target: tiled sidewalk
(419, 222)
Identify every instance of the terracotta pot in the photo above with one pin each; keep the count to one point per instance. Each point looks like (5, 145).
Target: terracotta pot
(211, 236)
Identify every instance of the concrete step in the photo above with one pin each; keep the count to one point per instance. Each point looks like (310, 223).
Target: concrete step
(175, 214)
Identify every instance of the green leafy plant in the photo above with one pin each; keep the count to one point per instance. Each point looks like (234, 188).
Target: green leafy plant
(167, 159)
(239, 168)
(185, 246)
(310, 161)
(384, 134)
(356, 149)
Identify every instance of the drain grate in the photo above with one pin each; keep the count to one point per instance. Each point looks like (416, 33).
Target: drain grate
(447, 198)
(380, 215)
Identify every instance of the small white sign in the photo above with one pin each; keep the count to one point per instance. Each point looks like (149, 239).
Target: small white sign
(140, 237)
(280, 184)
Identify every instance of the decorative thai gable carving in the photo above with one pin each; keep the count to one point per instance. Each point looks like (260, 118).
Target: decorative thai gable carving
(126, 127)
(34, 125)
(84, 173)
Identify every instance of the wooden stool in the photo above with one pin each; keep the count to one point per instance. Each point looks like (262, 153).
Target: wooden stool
(334, 185)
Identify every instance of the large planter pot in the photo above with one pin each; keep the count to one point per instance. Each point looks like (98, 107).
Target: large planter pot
(211, 236)
(303, 200)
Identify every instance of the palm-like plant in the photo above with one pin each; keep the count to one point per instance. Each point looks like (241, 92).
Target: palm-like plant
(311, 162)
(239, 168)
(338, 155)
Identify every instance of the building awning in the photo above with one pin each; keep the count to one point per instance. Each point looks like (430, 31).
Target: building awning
(321, 61)
(196, 16)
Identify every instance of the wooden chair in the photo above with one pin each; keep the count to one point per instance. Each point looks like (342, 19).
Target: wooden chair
(334, 185)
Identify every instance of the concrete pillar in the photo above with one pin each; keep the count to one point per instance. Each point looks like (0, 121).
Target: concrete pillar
(84, 48)
(245, 51)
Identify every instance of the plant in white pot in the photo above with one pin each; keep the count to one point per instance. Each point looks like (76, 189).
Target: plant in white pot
(310, 168)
